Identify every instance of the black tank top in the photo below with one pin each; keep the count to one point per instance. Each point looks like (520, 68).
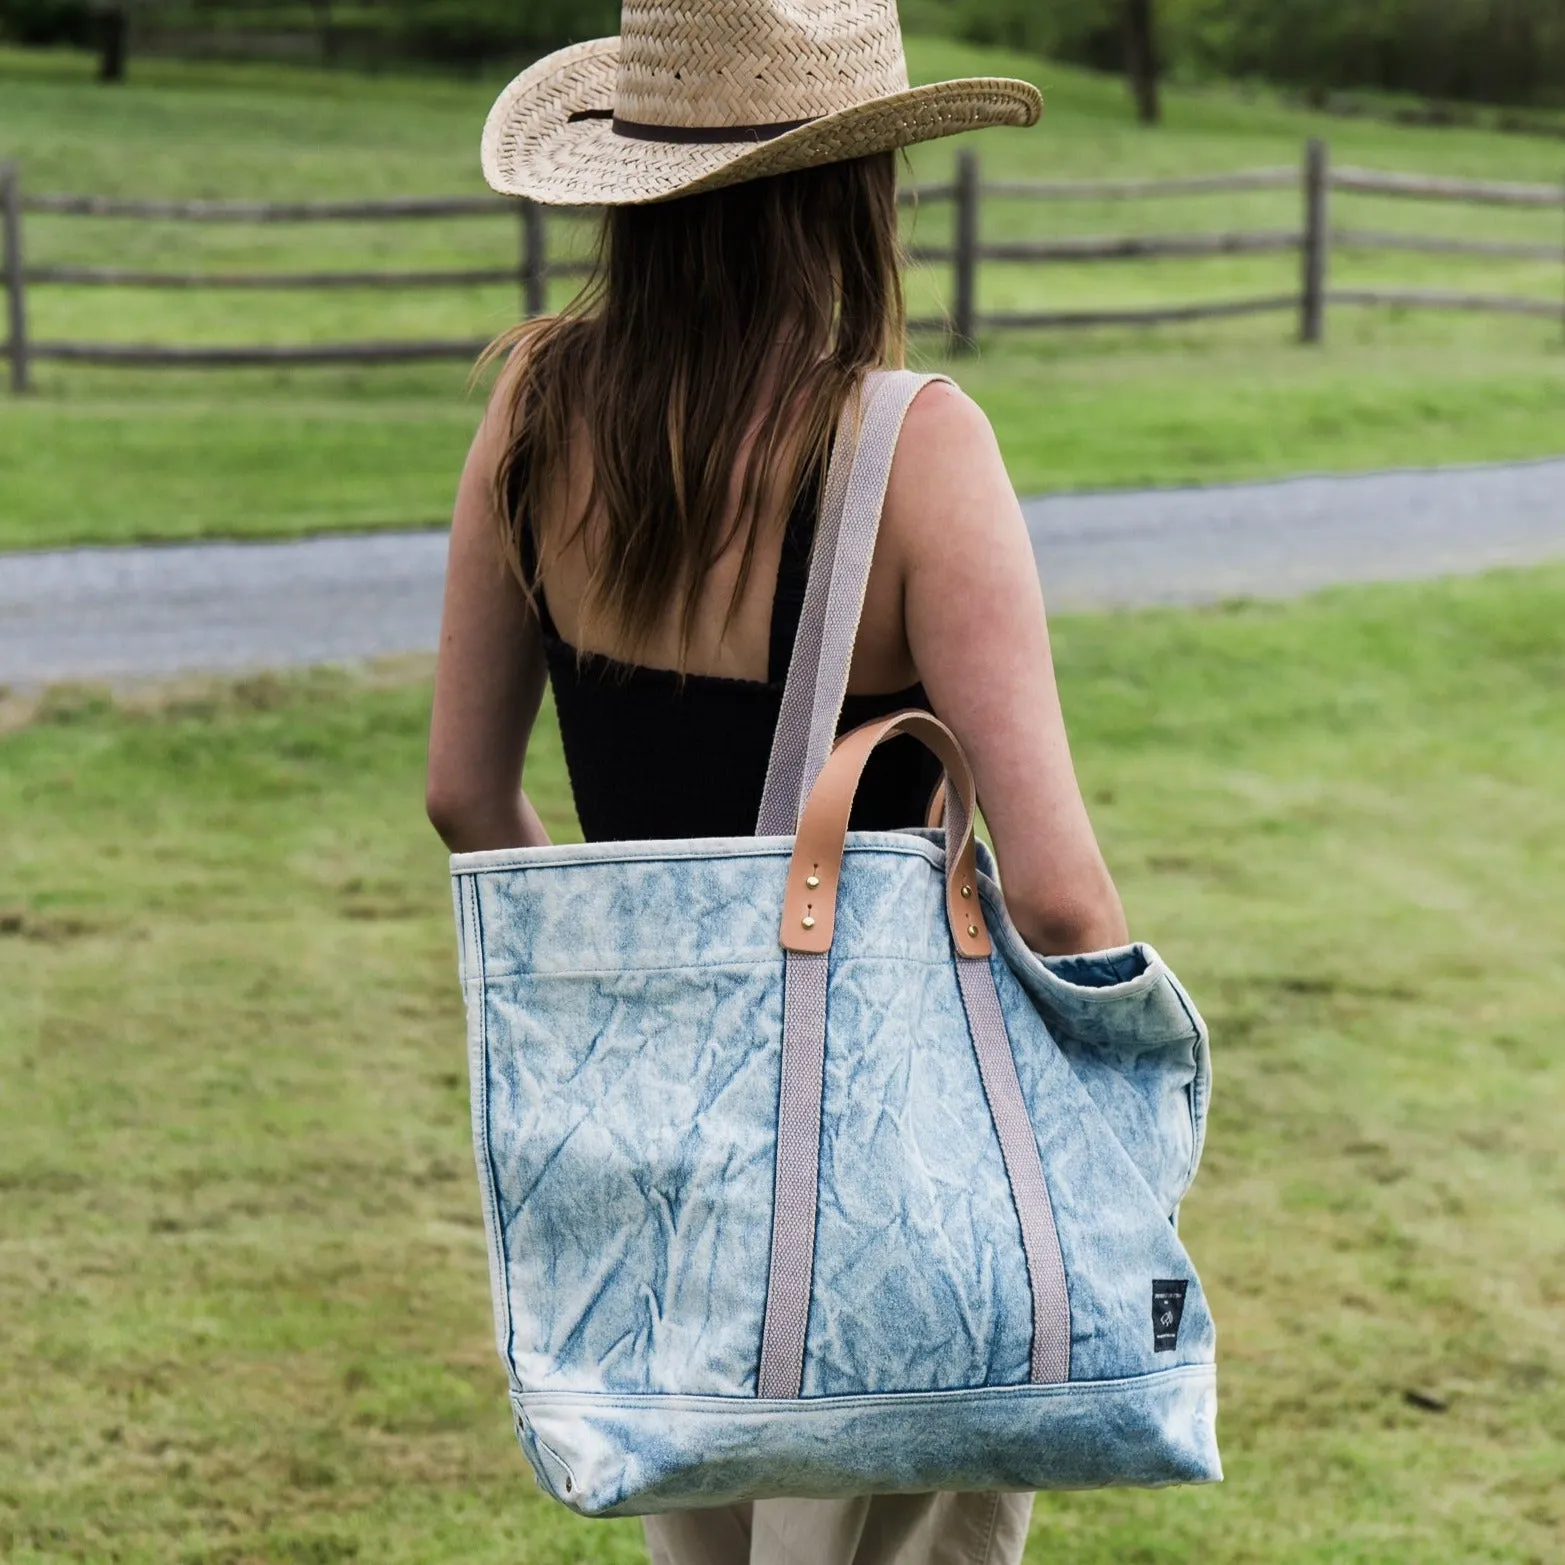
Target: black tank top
(652, 755)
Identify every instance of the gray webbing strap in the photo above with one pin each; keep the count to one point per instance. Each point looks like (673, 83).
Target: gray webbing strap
(796, 1184)
(1051, 1316)
(844, 551)
(840, 564)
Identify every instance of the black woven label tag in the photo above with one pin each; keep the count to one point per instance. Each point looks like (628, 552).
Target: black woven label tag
(1168, 1309)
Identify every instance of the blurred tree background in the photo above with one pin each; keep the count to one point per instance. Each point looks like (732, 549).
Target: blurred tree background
(446, 34)
(1508, 52)
(1493, 51)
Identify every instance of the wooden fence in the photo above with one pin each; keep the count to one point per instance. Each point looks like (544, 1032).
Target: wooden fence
(1313, 241)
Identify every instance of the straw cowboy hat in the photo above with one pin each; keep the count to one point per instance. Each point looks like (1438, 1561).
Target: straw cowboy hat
(695, 94)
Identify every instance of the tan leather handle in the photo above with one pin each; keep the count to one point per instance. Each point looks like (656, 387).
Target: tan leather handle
(810, 903)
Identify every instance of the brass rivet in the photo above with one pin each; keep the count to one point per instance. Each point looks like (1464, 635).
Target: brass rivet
(972, 929)
(812, 881)
(808, 922)
(967, 891)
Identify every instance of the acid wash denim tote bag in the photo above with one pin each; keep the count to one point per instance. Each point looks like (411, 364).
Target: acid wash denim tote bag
(801, 1174)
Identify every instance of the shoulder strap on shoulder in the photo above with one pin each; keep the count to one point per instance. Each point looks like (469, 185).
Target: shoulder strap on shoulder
(851, 504)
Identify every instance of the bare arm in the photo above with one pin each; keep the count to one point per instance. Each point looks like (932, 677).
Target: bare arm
(979, 637)
(490, 678)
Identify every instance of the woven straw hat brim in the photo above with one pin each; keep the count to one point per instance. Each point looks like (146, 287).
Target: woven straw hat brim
(534, 148)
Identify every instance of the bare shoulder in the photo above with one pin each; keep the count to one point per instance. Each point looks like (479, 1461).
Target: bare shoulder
(500, 425)
(500, 413)
(948, 481)
(942, 405)
(945, 426)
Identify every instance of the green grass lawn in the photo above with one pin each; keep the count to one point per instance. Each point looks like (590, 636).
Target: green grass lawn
(116, 455)
(241, 1265)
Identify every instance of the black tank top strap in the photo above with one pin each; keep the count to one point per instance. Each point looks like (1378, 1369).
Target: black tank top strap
(528, 551)
(793, 574)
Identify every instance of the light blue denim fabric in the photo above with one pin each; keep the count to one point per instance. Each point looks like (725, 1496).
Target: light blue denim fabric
(625, 1034)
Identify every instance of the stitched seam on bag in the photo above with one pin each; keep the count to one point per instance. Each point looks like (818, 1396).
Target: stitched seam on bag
(478, 1088)
(724, 965)
(1196, 1037)
(494, 1187)
(620, 970)
(464, 938)
(573, 855)
(771, 1242)
(904, 844)
(653, 1400)
(474, 925)
(543, 1445)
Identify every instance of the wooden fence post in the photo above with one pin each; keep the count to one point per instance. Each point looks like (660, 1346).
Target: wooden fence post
(535, 261)
(964, 305)
(15, 280)
(1317, 241)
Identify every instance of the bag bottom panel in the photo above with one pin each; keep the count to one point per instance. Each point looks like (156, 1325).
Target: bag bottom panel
(605, 1455)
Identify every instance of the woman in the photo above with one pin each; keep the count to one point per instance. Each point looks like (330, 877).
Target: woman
(649, 472)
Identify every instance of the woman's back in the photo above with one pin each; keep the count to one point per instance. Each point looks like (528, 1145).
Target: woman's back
(953, 618)
(654, 751)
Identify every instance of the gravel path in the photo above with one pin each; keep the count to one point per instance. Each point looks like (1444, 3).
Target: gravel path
(144, 612)
(1276, 540)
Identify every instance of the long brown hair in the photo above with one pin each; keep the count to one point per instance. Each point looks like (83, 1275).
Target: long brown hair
(706, 317)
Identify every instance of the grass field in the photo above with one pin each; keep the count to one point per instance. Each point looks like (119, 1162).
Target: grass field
(118, 455)
(241, 1265)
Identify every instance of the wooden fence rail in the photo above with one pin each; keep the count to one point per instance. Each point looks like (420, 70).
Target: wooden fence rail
(1440, 244)
(1118, 247)
(1218, 310)
(148, 357)
(1419, 187)
(1313, 241)
(122, 277)
(270, 211)
(1438, 299)
(1283, 178)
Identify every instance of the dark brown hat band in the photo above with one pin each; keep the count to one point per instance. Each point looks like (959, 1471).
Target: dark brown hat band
(692, 135)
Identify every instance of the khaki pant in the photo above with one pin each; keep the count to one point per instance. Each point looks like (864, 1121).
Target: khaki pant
(897, 1529)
